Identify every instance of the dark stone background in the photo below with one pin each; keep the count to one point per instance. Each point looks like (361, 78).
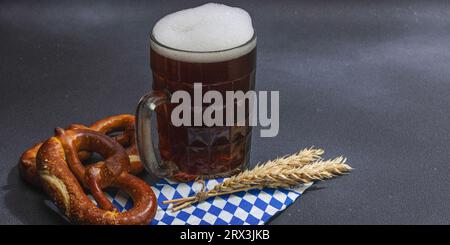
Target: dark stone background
(367, 79)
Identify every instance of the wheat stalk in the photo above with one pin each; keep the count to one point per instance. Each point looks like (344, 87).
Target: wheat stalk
(284, 172)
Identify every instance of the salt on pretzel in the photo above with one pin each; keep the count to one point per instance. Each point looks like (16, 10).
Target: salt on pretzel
(62, 175)
(119, 123)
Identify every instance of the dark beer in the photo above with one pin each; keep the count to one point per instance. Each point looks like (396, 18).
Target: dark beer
(213, 45)
(201, 150)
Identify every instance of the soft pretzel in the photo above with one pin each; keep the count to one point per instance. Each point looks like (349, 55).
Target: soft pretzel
(62, 175)
(119, 123)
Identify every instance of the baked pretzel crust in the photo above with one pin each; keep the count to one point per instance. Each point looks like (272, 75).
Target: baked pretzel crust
(119, 123)
(56, 161)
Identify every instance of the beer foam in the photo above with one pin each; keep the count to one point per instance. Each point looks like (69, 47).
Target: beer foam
(208, 33)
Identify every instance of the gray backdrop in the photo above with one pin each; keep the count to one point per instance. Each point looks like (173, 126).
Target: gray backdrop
(366, 79)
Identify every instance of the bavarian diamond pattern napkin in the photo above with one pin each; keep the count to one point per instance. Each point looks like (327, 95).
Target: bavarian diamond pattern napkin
(243, 208)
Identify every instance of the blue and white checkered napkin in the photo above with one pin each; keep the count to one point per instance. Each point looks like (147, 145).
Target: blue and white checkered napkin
(243, 208)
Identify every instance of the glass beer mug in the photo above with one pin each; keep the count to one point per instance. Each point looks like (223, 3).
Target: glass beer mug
(188, 152)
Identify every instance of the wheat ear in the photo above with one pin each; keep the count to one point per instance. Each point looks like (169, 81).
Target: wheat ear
(284, 172)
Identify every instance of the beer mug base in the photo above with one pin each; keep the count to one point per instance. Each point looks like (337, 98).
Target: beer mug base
(187, 162)
(179, 176)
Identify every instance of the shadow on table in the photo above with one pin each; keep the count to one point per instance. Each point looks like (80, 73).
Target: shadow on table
(26, 202)
(314, 187)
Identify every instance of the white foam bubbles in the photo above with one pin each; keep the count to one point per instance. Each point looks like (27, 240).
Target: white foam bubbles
(208, 33)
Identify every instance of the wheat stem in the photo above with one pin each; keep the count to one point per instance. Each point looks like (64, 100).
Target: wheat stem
(284, 172)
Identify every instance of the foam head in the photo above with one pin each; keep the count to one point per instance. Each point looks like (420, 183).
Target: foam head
(208, 33)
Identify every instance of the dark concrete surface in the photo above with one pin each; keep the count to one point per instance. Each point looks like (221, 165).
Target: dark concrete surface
(366, 79)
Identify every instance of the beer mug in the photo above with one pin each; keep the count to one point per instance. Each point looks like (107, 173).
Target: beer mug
(188, 152)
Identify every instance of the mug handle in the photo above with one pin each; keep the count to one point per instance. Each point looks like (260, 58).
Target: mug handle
(146, 107)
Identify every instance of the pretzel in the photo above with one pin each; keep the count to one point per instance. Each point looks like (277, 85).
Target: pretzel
(62, 175)
(125, 123)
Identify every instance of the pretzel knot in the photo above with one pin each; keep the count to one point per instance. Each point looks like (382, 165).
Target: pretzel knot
(56, 165)
(114, 124)
(62, 175)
